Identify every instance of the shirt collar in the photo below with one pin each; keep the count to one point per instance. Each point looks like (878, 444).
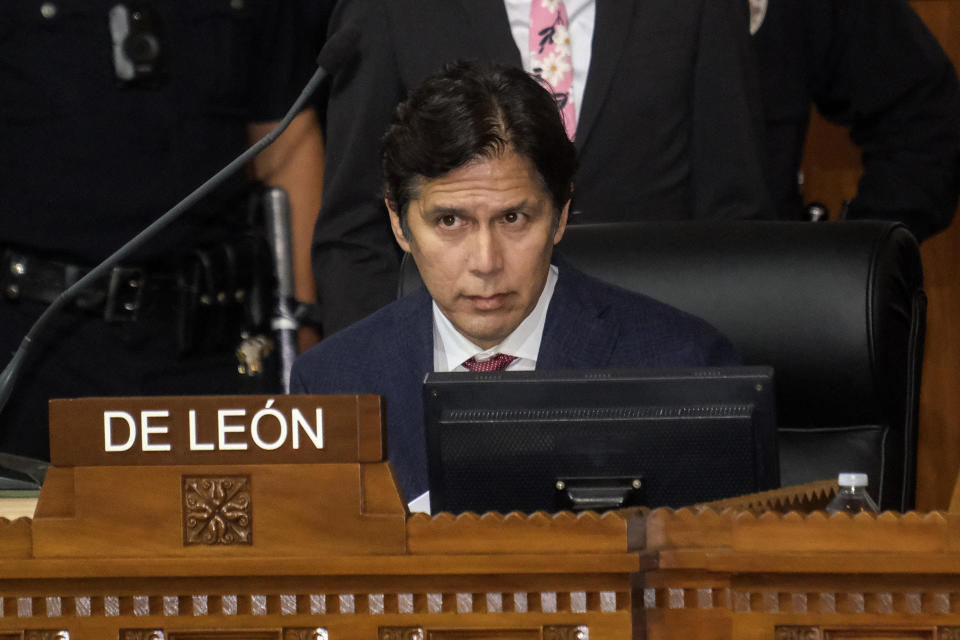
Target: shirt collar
(451, 348)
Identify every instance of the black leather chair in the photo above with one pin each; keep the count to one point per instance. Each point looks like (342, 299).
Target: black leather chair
(837, 309)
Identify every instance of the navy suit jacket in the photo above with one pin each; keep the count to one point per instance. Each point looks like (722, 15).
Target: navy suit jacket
(590, 325)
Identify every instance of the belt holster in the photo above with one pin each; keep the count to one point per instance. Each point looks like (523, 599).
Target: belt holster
(118, 296)
(224, 294)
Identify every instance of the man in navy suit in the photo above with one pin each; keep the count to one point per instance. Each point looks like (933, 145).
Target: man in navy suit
(479, 179)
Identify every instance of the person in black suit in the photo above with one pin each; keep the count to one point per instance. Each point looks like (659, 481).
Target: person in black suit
(478, 180)
(871, 65)
(668, 127)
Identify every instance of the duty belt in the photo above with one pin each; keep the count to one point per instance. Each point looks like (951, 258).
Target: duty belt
(119, 296)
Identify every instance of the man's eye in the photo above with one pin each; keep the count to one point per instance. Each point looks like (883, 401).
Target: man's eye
(511, 218)
(448, 220)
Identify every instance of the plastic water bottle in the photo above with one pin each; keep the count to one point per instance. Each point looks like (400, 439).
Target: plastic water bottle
(853, 496)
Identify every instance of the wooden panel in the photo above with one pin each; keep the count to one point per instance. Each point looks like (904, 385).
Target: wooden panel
(500, 634)
(879, 634)
(15, 538)
(831, 168)
(816, 633)
(940, 401)
(795, 587)
(282, 510)
(226, 635)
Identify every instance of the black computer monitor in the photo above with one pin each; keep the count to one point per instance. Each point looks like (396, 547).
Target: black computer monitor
(552, 440)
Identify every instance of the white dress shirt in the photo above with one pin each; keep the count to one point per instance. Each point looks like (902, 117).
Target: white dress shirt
(581, 14)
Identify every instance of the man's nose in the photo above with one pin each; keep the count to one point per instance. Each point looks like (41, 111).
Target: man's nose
(486, 256)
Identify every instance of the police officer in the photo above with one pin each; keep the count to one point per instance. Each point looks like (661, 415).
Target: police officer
(111, 112)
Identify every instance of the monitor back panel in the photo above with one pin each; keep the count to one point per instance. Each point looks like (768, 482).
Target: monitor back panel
(501, 441)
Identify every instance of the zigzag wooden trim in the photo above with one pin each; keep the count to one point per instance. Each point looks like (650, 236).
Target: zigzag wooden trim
(805, 497)
(539, 517)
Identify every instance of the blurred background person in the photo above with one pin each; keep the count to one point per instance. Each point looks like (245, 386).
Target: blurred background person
(873, 66)
(660, 97)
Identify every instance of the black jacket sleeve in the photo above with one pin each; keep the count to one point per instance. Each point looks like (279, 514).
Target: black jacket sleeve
(873, 66)
(352, 245)
(899, 92)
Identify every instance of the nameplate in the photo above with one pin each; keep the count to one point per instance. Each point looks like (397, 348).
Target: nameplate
(186, 430)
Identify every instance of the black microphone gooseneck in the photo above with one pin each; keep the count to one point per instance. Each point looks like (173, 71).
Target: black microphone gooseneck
(339, 49)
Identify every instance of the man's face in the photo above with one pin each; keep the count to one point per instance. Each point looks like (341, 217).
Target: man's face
(482, 236)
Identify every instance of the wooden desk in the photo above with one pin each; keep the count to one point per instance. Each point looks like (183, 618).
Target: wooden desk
(190, 544)
(256, 518)
(518, 577)
(802, 577)
(628, 574)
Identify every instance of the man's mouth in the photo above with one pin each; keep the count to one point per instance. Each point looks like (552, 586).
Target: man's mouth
(488, 303)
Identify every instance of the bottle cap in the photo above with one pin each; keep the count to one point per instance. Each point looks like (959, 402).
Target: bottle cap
(852, 480)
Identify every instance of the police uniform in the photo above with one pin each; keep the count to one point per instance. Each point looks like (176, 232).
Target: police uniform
(93, 154)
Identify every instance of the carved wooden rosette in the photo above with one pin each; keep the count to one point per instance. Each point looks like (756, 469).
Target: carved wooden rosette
(217, 510)
(142, 634)
(566, 633)
(311, 633)
(46, 634)
(401, 633)
(797, 633)
(948, 633)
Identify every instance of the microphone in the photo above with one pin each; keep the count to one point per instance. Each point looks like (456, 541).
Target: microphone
(276, 207)
(340, 47)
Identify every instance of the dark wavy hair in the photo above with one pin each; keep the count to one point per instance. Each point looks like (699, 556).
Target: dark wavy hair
(472, 110)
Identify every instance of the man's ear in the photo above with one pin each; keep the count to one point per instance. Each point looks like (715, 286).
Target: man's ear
(561, 223)
(397, 227)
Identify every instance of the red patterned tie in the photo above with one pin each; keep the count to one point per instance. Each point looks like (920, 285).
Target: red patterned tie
(498, 362)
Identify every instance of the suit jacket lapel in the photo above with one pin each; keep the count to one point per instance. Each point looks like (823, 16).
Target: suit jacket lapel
(491, 28)
(575, 334)
(612, 24)
(415, 334)
(412, 351)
